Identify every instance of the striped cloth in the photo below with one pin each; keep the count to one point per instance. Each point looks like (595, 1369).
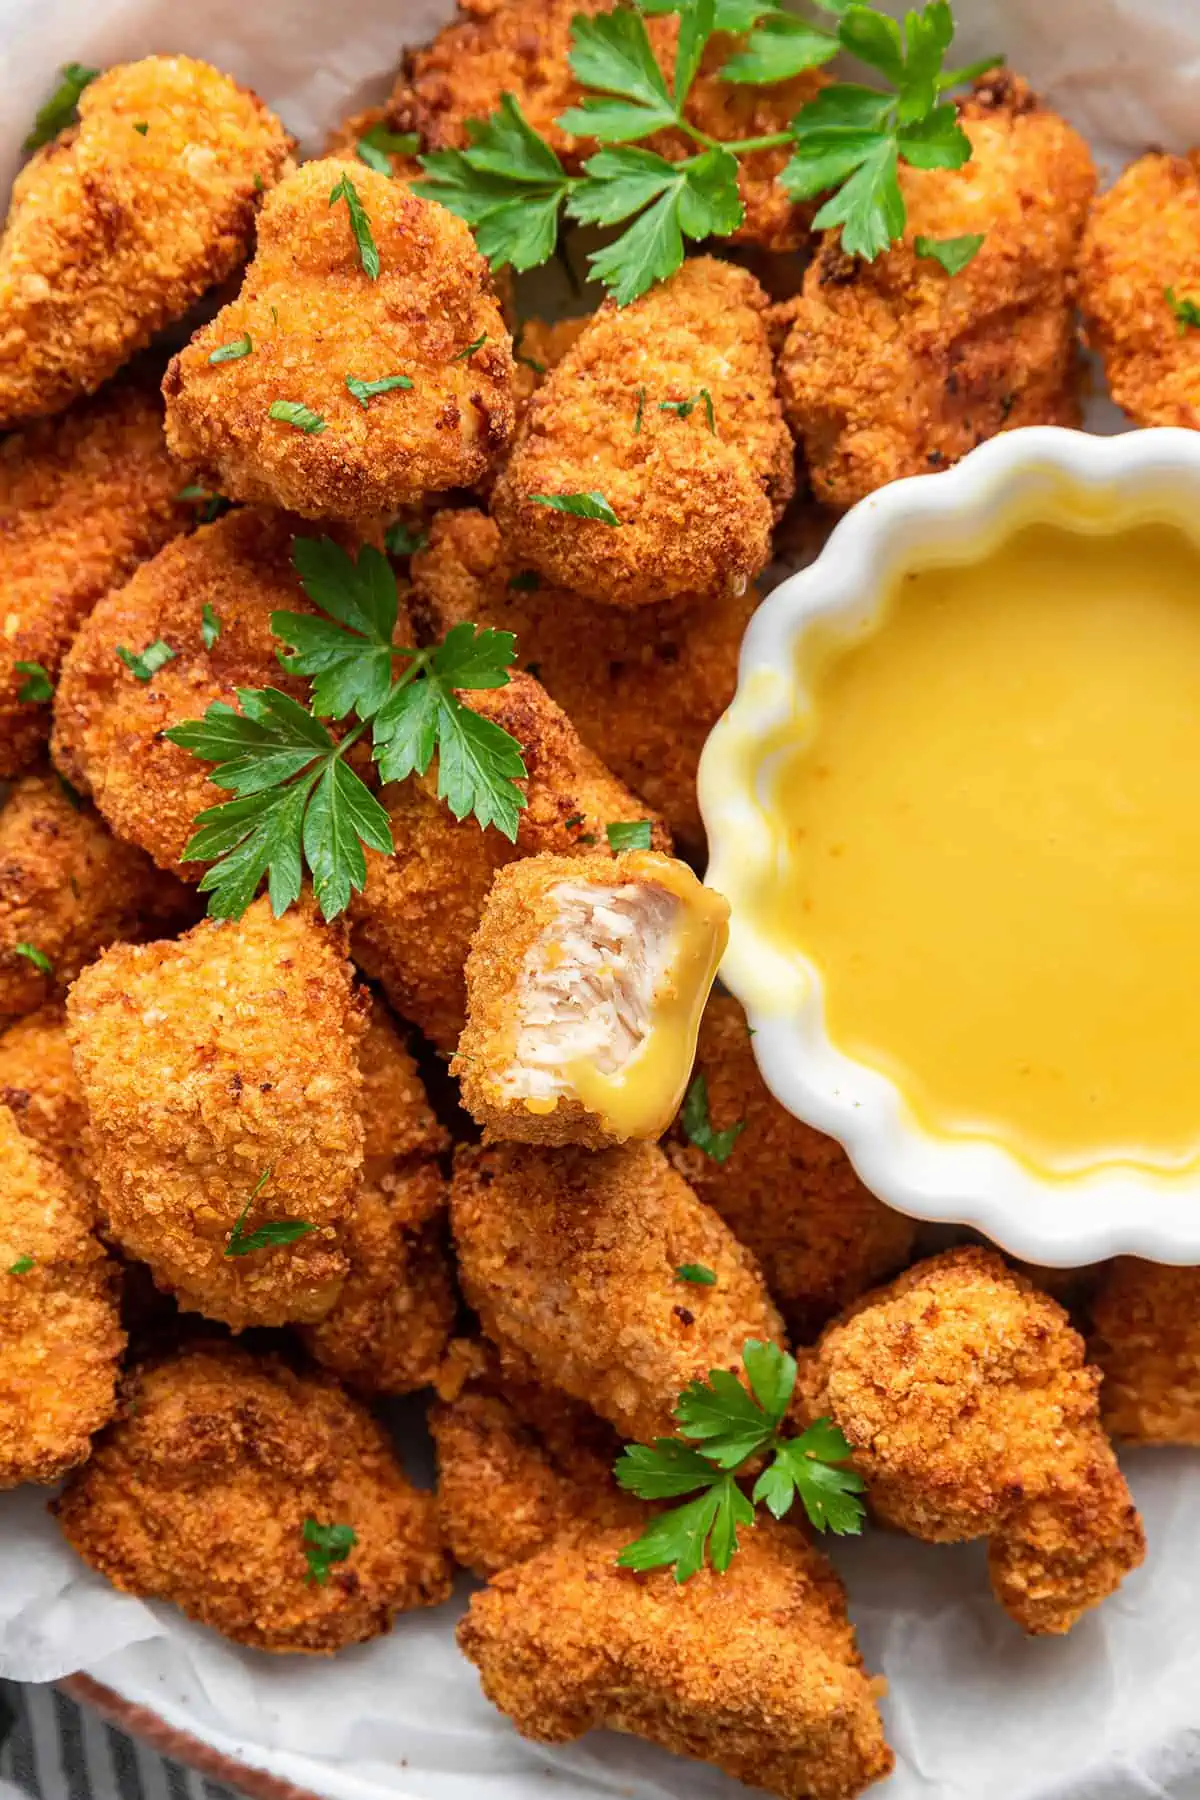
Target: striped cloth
(52, 1749)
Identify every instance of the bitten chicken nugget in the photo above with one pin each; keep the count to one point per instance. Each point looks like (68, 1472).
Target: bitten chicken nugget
(60, 1336)
(519, 1465)
(895, 367)
(652, 685)
(222, 1084)
(755, 1670)
(400, 303)
(39, 1085)
(667, 410)
(67, 890)
(209, 598)
(412, 924)
(83, 500)
(264, 1503)
(785, 1190)
(573, 1258)
(585, 985)
(124, 220)
(972, 1412)
(1146, 1339)
(1139, 267)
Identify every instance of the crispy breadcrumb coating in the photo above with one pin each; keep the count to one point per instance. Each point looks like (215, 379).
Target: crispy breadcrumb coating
(538, 347)
(1146, 1339)
(108, 726)
(60, 1336)
(696, 499)
(398, 1121)
(1143, 238)
(787, 1191)
(652, 685)
(83, 500)
(571, 1257)
(39, 1085)
(972, 1412)
(755, 1670)
(205, 1062)
(69, 889)
(518, 1466)
(895, 368)
(411, 926)
(585, 987)
(113, 232)
(199, 1495)
(317, 320)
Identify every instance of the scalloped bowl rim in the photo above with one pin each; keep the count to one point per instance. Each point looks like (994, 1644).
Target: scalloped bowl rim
(1059, 1221)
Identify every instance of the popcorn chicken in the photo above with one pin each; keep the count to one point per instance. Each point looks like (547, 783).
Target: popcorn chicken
(1146, 1325)
(40, 1088)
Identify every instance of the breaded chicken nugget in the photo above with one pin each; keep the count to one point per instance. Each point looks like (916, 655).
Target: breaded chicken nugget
(585, 985)
(573, 1258)
(520, 1465)
(222, 1084)
(666, 409)
(972, 1412)
(109, 726)
(319, 325)
(124, 220)
(412, 924)
(67, 890)
(896, 368)
(39, 1085)
(219, 1490)
(83, 500)
(398, 1121)
(538, 347)
(1141, 251)
(755, 1670)
(1146, 1339)
(652, 685)
(60, 1337)
(785, 1190)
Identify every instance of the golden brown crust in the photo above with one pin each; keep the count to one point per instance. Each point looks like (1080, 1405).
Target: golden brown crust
(199, 1496)
(411, 926)
(755, 1670)
(696, 505)
(895, 368)
(315, 319)
(398, 1121)
(1146, 1339)
(69, 889)
(972, 1412)
(570, 1257)
(204, 1063)
(114, 232)
(787, 1191)
(538, 347)
(1143, 237)
(83, 499)
(60, 1338)
(653, 681)
(39, 1085)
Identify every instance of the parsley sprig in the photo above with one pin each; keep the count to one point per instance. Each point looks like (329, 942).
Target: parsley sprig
(62, 108)
(512, 189)
(728, 1425)
(325, 1545)
(275, 1231)
(297, 800)
(1186, 313)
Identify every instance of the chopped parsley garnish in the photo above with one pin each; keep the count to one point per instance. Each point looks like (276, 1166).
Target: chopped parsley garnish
(297, 800)
(38, 686)
(683, 409)
(377, 145)
(525, 581)
(952, 253)
(580, 506)
(360, 225)
(697, 1274)
(61, 109)
(259, 183)
(640, 413)
(276, 1231)
(70, 794)
(698, 1128)
(142, 664)
(37, 957)
(210, 626)
(404, 540)
(364, 391)
(470, 350)
(141, 127)
(325, 1545)
(531, 362)
(302, 418)
(727, 1425)
(233, 351)
(1186, 312)
(22, 1265)
(629, 834)
(211, 505)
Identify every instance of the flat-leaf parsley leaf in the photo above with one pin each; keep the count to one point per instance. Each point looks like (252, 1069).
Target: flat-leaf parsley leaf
(142, 664)
(37, 957)
(629, 834)
(697, 1126)
(325, 1545)
(276, 1231)
(378, 145)
(1186, 312)
(580, 506)
(952, 253)
(38, 686)
(360, 225)
(22, 1265)
(61, 109)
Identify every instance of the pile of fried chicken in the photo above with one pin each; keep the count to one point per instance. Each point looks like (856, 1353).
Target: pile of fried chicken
(168, 1083)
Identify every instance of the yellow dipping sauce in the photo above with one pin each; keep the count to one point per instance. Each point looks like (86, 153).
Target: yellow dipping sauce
(992, 852)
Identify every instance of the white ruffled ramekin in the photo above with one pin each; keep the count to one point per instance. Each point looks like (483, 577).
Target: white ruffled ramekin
(1034, 474)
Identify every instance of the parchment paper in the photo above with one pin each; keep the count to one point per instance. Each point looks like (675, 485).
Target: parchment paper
(975, 1711)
